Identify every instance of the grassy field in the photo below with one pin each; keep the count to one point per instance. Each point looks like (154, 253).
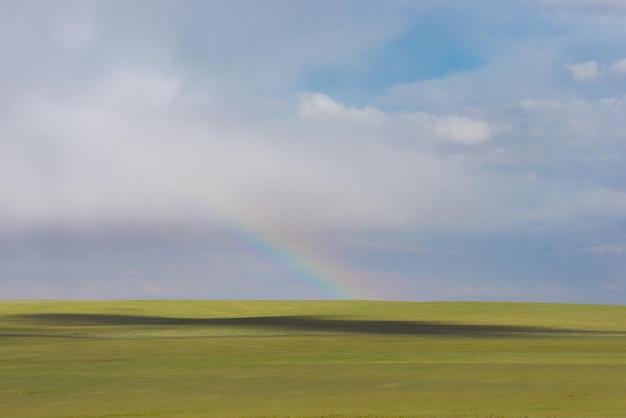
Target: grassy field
(311, 359)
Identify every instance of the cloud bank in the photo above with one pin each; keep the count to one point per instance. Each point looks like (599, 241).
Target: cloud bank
(131, 134)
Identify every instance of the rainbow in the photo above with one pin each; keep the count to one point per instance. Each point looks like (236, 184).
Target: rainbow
(321, 277)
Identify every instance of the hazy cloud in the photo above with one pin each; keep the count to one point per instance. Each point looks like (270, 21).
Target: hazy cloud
(603, 5)
(592, 71)
(607, 249)
(586, 72)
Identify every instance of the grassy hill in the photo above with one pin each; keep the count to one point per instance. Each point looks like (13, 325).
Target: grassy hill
(309, 358)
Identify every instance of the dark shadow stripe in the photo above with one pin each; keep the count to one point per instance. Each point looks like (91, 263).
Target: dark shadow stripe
(302, 323)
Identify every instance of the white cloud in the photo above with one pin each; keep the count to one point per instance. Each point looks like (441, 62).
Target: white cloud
(586, 72)
(454, 128)
(319, 105)
(592, 71)
(133, 151)
(139, 156)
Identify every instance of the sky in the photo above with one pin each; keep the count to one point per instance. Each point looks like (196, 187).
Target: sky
(326, 149)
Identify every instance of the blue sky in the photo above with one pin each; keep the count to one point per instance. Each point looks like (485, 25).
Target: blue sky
(403, 150)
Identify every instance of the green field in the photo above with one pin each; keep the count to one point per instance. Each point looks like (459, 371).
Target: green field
(311, 359)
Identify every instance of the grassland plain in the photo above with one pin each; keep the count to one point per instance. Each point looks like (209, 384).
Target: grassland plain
(311, 359)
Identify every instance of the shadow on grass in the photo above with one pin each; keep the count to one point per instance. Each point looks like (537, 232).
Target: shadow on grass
(297, 323)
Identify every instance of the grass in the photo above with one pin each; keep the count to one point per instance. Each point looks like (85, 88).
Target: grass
(311, 359)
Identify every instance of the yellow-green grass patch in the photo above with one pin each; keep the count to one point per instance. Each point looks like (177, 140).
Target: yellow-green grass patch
(311, 358)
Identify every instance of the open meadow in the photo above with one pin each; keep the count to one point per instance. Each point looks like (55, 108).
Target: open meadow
(311, 359)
